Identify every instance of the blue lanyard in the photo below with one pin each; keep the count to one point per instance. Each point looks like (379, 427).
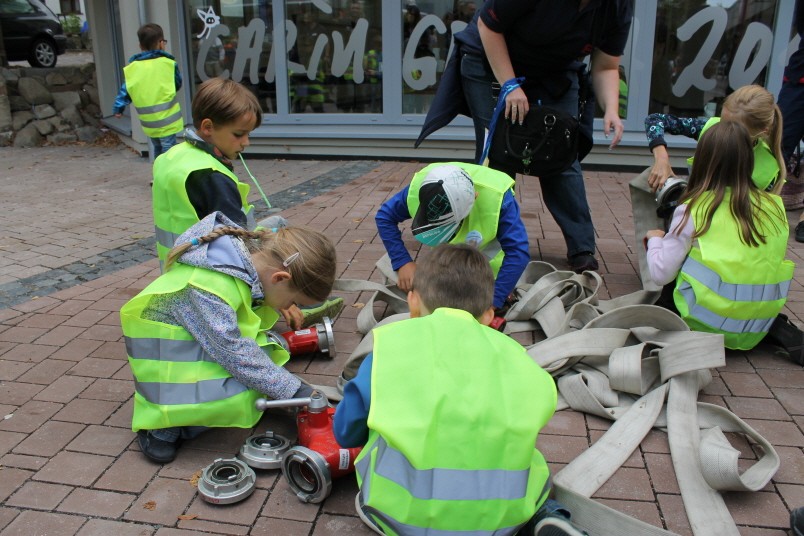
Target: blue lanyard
(506, 88)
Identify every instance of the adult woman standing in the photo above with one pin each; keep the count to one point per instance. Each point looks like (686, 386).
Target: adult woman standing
(542, 42)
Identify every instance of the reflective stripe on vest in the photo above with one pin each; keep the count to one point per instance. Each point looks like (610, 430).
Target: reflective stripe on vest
(166, 238)
(200, 392)
(491, 186)
(732, 325)
(157, 107)
(151, 85)
(411, 530)
(733, 291)
(166, 350)
(161, 122)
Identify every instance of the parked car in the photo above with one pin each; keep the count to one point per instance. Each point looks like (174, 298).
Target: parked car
(31, 31)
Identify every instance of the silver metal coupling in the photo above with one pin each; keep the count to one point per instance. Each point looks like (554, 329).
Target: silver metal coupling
(308, 474)
(326, 338)
(226, 481)
(264, 451)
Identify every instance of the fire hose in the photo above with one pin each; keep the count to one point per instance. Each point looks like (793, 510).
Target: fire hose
(620, 359)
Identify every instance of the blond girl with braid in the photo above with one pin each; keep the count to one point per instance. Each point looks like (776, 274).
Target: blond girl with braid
(195, 336)
(755, 108)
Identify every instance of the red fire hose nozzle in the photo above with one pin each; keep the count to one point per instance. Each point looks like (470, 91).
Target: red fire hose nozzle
(318, 338)
(310, 467)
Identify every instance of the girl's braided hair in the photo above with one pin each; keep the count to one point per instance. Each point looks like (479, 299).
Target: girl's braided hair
(312, 272)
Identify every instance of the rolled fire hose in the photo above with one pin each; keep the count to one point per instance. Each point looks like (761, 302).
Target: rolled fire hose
(621, 359)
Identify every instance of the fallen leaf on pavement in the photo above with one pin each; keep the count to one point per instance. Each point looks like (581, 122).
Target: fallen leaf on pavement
(194, 479)
(150, 505)
(358, 241)
(359, 305)
(187, 517)
(358, 220)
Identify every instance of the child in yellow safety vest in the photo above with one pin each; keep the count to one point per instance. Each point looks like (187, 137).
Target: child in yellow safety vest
(448, 411)
(195, 337)
(723, 261)
(152, 79)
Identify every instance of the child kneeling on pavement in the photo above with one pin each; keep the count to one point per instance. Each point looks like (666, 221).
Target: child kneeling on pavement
(195, 337)
(449, 411)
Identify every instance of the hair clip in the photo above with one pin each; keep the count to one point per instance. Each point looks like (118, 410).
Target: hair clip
(290, 260)
(195, 242)
(274, 229)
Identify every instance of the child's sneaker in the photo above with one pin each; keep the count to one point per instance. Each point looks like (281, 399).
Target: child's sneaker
(557, 526)
(316, 313)
(797, 521)
(789, 337)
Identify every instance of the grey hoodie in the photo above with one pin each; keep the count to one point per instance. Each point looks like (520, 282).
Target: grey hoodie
(213, 323)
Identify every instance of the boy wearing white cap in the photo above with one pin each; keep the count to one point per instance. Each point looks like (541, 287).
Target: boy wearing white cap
(458, 203)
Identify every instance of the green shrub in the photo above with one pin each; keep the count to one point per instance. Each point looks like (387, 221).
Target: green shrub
(72, 24)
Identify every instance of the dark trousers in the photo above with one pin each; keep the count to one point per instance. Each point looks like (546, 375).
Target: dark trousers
(791, 102)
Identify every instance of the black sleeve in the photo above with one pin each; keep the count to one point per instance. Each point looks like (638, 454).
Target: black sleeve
(499, 15)
(615, 34)
(210, 191)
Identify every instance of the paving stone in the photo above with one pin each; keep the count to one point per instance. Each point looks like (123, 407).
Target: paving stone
(749, 385)
(329, 525)
(270, 526)
(39, 495)
(11, 370)
(22, 334)
(170, 497)
(778, 433)
(643, 511)
(64, 389)
(242, 513)
(757, 408)
(32, 463)
(34, 353)
(103, 333)
(165, 531)
(102, 440)
(791, 399)
(102, 527)
(634, 460)
(122, 417)
(111, 390)
(219, 440)
(342, 499)
(565, 423)
(793, 495)
(96, 368)
(73, 468)
(12, 479)
(96, 503)
(284, 504)
(77, 349)
(30, 416)
(86, 411)
(49, 439)
(757, 508)
(60, 335)
(791, 469)
(85, 319)
(131, 472)
(628, 484)
(776, 378)
(16, 393)
(207, 526)
(111, 350)
(7, 515)
(44, 524)
(189, 461)
(9, 439)
(47, 372)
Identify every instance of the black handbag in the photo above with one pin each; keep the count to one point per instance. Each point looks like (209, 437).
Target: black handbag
(546, 143)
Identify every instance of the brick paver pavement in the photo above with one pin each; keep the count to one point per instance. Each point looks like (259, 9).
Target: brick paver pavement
(70, 463)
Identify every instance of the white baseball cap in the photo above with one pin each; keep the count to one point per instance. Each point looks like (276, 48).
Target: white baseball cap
(446, 197)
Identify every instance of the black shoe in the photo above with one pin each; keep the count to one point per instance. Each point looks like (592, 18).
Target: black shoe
(581, 262)
(788, 336)
(156, 449)
(797, 521)
(800, 232)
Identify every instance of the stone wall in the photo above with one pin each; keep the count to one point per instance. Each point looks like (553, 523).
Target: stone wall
(49, 106)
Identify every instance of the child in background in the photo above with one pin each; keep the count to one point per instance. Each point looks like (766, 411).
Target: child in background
(152, 81)
(195, 337)
(444, 401)
(734, 281)
(754, 107)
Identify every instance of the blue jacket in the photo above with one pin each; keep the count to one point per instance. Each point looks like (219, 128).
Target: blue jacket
(511, 234)
(123, 99)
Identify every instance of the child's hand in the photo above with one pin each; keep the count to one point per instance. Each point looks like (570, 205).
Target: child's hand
(293, 316)
(118, 115)
(656, 233)
(661, 170)
(405, 274)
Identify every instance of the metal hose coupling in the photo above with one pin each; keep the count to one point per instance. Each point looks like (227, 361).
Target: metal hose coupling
(667, 196)
(264, 451)
(226, 481)
(308, 474)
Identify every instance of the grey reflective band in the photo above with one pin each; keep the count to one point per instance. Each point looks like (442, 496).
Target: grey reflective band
(158, 107)
(732, 291)
(362, 467)
(166, 350)
(165, 238)
(492, 249)
(162, 122)
(723, 323)
(251, 223)
(410, 530)
(175, 394)
(450, 484)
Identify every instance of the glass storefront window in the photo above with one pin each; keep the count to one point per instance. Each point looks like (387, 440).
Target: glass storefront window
(334, 56)
(427, 30)
(704, 50)
(233, 39)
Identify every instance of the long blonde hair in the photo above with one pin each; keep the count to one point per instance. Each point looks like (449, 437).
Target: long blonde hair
(755, 108)
(724, 160)
(312, 272)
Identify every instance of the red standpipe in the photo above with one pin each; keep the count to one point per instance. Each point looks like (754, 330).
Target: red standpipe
(318, 338)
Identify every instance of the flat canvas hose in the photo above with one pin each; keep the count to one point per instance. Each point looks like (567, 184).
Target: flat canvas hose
(627, 361)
